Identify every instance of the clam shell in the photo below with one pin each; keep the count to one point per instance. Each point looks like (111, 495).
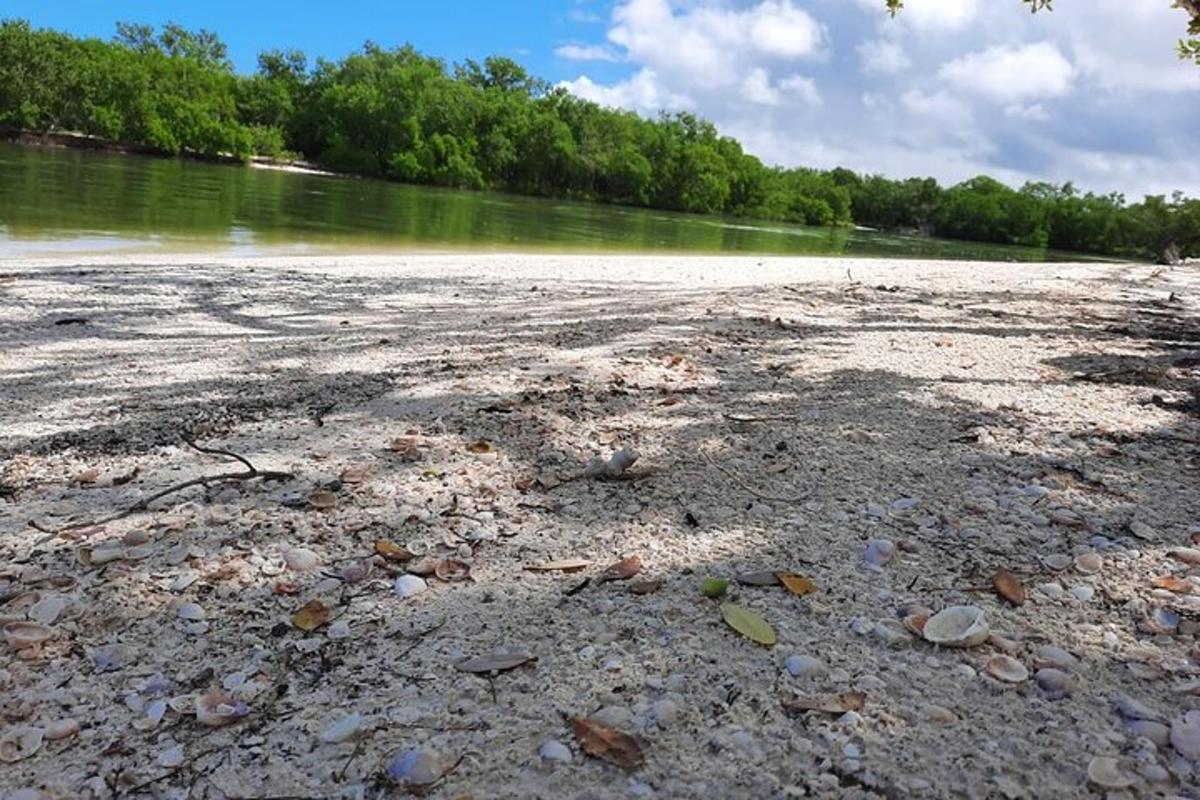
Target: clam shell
(217, 708)
(957, 626)
(1105, 772)
(47, 610)
(1089, 563)
(26, 634)
(19, 743)
(21, 603)
(879, 552)
(1007, 669)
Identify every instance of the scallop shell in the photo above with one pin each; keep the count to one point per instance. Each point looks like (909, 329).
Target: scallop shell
(26, 634)
(1007, 669)
(19, 743)
(957, 626)
(1089, 563)
(217, 708)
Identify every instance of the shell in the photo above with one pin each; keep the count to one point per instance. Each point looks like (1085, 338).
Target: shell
(1105, 772)
(416, 768)
(957, 626)
(409, 586)
(1007, 669)
(345, 728)
(1089, 563)
(190, 612)
(47, 609)
(26, 634)
(1057, 562)
(217, 708)
(300, 559)
(21, 603)
(19, 743)
(61, 729)
(879, 552)
(1185, 735)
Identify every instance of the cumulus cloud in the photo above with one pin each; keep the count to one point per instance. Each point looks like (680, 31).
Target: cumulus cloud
(883, 57)
(1012, 75)
(590, 52)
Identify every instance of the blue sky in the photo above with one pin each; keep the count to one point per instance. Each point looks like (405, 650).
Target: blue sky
(953, 88)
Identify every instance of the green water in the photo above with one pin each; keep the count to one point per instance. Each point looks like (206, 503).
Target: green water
(56, 200)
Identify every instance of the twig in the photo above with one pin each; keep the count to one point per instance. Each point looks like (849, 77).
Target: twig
(747, 487)
(745, 420)
(251, 473)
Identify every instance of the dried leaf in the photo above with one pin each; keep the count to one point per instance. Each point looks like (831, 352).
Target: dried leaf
(1173, 584)
(777, 469)
(286, 587)
(407, 448)
(392, 552)
(354, 474)
(1009, 587)
(602, 741)
(759, 579)
(481, 447)
(645, 586)
(523, 485)
(670, 401)
(322, 500)
(797, 584)
(563, 565)
(828, 703)
(623, 570)
(452, 569)
(499, 661)
(311, 616)
(748, 624)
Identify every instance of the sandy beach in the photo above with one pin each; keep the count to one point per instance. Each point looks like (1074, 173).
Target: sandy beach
(895, 431)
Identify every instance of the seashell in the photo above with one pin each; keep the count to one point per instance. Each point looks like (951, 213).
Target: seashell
(154, 713)
(1185, 735)
(417, 547)
(19, 743)
(300, 559)
(1142, 531)
(60, 729)
(1188, 555)
(110, 658)
(217, 708)
(171, 757)
(414, 769)
(26, 634)
(1133, 709)
(916, 623)
(356, 572)
(408, 586)
(47, 610)
(139, 553)
(177, 555)
(190, 612)
(339, 630)
(21, 603)
(1054, 681)
(957, 626)
(879, 552)
(182, 704)
(1089, 563)
(342, 730)
(104, 554)
(1007, 669)
(422, 566)
(1056, 657)
(1057, 562)
(1106, 773)
(135, 538)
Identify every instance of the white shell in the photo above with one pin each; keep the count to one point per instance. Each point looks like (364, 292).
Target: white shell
(957, 626)
(1105, 772)
(408, 586)
(344, 729)
(1007, 669)
(1089, 563)
(61, 729)
(19, 743)
(47, 609)
(26, 634)
(1185, 735)
(217, 708)
(300, 559)
(190, 612)
(879, 552)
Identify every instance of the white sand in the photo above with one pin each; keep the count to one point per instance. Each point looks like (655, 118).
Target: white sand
(1030, 411)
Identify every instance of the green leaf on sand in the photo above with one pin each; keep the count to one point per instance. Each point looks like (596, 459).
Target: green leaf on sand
(714, 588)
(748, 624)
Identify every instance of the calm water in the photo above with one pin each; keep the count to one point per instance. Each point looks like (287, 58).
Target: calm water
(66, 200)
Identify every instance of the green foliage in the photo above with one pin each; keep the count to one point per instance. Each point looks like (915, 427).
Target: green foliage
(401, 115)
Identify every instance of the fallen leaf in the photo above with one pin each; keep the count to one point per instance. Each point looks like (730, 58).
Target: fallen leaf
(623, 570)
(523, 484)
(407, 448)
(601, 741)
(311, 616)
(759, 579)
(1009, 587)
(286, 587)
(828, 703)
(776, 469)
(797, 584)
(1173, 584)
(564, 565)
(499, 661)
(714, 588)
(748, 624)
(322, 500)
(645, 586)
(452, 569)
(671, 401)
(481, 447)
(392, 552)
(354, 474)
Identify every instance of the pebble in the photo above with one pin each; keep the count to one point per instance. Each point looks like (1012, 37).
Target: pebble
(555, 751)
(1153, 731)
(904, 504)
(300, 559)
(409, 586)
(1054, 591)
(614, 716)
(1185, 735)
(343, 729)
(801, 666)
(940, 715)
(1057, 561)
(1083, 593)
(61, 729)
(190, 612)
(1142, 531)
(1106, 772)
(666, 713)
(1054, 681)
(1188, 555)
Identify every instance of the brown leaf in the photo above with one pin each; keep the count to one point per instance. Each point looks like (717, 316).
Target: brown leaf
(452, 569)
(1173, 584)
(645, 586)
(563, 565)
(797, 584)
(392, 552)
(311, 616)
(407, 448)
(1009, 587)
(481, 448)
(523, 484)
(601, 741)
(322, 500)
(828, 703)
(623, 570)
(286, 587)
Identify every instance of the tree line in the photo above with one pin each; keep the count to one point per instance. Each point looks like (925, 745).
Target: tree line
(400, 115)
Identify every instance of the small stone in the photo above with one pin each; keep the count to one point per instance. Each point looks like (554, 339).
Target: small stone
(666, 713)
(61, 729)
(1155, 732)
(409, 586)
(191, 612)
(1083, 593)
(1142, 531)
(1106, 772)
(1054, 682)
(1056, 657)
(345, 728)
(940, 715)
(1185, 735)
(851, 750)
(1054, 591)
(1155, 774)
(611, 664)
(555, 751)
(300, 559)
(801, 666)
(614, 716)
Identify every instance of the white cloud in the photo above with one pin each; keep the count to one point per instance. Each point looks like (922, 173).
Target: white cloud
(643, 92)
(590, 52)
(932, 16)
(883, 57)
(802, 87)
(1012, 75)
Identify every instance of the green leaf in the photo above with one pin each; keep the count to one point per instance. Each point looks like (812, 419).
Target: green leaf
(714, 588)
(748, 624)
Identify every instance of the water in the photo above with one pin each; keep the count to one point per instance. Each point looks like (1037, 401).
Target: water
(71, 201)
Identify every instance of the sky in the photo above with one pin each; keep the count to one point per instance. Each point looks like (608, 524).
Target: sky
(1091, 93)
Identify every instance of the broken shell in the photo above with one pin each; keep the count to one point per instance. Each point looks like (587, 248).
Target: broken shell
(1007, 669)
(19, 743)
(21, 603)
(342, 730)
(61, 729)
(957, 626)
(26, 634)
(879, 552)
(1106, 773)
(47, 610)
(916, 623)
(356, 572)
(1089, 563)
(217, 708)
(408, 586)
